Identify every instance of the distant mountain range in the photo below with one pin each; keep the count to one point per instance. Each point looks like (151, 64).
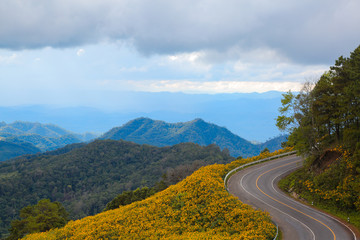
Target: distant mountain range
(19, 138)
(160, 133)
(249, 115)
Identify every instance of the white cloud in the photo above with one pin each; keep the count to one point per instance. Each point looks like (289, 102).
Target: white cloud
(80, 52)
(8, 59)
(196, 87)
(193, 61)
(280, 71)
(133, 69)
(312, 72)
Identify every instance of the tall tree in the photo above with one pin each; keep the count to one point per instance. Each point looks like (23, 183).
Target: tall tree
(297, 118)
(41, 217)
(329, 112)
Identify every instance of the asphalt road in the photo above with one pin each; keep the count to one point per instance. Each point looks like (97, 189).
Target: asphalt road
(257, 186)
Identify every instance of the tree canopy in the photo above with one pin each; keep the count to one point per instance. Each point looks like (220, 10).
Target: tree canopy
(324, 125)
(327, 112)
(41, 217)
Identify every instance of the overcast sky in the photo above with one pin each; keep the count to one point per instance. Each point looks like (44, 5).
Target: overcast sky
(85, 52)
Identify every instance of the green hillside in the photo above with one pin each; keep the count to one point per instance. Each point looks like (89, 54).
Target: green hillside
(45, 130)
(84, 179)
(41, 142)
(10, 149)
(45, 137)
(324, 125)
(159, 133)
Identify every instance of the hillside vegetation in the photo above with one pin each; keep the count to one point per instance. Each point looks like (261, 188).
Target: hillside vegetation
(85, 177)
(159, 133)
(198, 207)
(10, 149)
(20, 128)
(324, 125)
(29, 136)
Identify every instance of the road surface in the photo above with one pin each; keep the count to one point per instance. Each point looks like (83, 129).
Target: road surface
(257, 186)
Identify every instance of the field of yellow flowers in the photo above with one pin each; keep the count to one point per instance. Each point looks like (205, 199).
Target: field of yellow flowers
(197, 208)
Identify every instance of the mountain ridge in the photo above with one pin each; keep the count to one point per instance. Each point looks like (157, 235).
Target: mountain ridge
(43, 129)
(38, 137)
(160, 133)
(142, 130)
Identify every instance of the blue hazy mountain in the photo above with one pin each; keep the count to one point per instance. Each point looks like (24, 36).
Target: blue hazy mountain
(22, 128)
(160, 133)
(20, 138)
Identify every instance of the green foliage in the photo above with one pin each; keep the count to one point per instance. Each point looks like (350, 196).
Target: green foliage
(84, 178)
(128, 197)
(172, 176)
(9, 149)
(265, 150)
(41, 217)
(285, 121)
(327, 114)
(327, 131)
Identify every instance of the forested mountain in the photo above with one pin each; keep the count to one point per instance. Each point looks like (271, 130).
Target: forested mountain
(324, 125)
(41, 142)
(43, 137)
(10, 149)
(21, 128)
(87, 176)
(159, 133)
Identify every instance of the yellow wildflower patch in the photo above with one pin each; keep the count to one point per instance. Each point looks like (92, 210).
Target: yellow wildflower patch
(196, 208)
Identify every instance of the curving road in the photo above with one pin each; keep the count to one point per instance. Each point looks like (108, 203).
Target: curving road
(257, 186)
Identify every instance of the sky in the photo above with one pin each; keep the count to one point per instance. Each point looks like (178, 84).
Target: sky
(92, 52)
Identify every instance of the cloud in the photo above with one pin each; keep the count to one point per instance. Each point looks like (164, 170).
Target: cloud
(276, 71)
(302, 31)
(133, 69)
(80, 52)
(8, 59)
(193, 61)
(196, 87)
